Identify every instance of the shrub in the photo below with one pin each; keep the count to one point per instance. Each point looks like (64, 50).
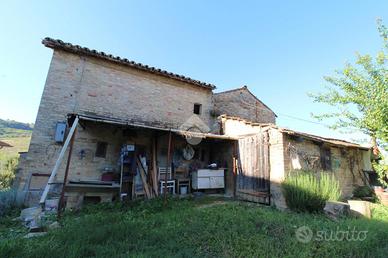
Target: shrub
(365, 191)
(381, 168)
(304, 191)
(329, 186)
(7, 173)
(7, 201)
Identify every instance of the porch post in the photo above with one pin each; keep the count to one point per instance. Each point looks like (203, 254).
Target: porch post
(168, 165)
(66, 172)
(58, 162)
(154, 166)
(234, 167)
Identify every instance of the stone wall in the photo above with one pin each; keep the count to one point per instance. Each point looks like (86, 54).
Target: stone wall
(277, 157)
(86, 85)
(288, 153)
(115, 91)
(346, 163)
(237, 127)
(242, 103)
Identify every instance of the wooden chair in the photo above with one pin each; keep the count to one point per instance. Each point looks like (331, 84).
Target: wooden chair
(162, 173)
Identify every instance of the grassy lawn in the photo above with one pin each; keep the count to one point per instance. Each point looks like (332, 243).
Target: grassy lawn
(202, 227)
(19, 144)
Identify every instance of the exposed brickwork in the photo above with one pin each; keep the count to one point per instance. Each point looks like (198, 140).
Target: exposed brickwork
(242, 103)
(278, 169)
(87, 85)
(288, 153)
(346, 163)
(92, 86)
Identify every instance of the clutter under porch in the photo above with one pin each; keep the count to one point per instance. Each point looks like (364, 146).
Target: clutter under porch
(121, 162)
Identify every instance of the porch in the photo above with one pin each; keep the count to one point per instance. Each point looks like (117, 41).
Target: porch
(109, 159)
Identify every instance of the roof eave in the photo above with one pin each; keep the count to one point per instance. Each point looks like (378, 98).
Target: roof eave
(76, 49)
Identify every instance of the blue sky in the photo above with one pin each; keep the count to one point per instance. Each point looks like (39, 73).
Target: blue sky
(280, 49)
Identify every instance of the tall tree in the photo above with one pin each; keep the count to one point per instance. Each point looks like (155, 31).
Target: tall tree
(359, 94)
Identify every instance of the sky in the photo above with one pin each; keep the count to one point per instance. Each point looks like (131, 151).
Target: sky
(280, 49)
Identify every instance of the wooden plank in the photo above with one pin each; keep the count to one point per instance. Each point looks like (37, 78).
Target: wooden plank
(253, 168)
(58, 162)
(266, 160)
(61, 199)
(143, 178)
(168, 166)
(154, 167)
(255, 193)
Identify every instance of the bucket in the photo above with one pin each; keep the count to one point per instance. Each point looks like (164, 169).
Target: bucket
(183, 189)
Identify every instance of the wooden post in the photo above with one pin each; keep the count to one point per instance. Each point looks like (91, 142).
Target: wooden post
(58, 162)
(61, 199)
(234, 167)
(143, 177)
(154, 166)
(168, 165)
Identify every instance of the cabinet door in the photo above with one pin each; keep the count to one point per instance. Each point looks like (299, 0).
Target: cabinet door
(217, 182)
(203, 183)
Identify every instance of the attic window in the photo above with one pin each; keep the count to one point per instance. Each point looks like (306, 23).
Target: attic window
(101, 149)
(197, 108)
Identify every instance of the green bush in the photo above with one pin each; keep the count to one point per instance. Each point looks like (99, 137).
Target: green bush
(7, 172)
(381, 168)
(329, 187)
(7, 201)
(305, 192)
(365, 191)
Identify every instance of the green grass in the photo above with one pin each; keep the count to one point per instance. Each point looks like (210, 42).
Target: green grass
(194, 228)
(10, 128)
(19, 144)
(7, 154)
(12, 133)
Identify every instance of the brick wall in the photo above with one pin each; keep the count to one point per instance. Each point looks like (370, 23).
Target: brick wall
(288, 153)
(346, 163)
(116, 91)
(277, 157)
(242, 103)
(86, 85)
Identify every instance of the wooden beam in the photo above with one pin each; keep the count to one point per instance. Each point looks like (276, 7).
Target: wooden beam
(154, 166)
(143, 178)
(61, 199)
(168, 166)
(58, 162)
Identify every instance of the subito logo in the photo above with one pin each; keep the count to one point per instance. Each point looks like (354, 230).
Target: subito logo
(303, 234)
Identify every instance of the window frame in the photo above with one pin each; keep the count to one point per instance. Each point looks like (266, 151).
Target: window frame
(197, 107)
(101, 149)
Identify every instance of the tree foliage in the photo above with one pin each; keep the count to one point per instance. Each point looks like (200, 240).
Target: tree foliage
(359, 94)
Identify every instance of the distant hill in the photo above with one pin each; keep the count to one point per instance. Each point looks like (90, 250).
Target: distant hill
(10, 128)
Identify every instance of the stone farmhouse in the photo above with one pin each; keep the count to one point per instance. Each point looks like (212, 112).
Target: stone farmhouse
(109, 128)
